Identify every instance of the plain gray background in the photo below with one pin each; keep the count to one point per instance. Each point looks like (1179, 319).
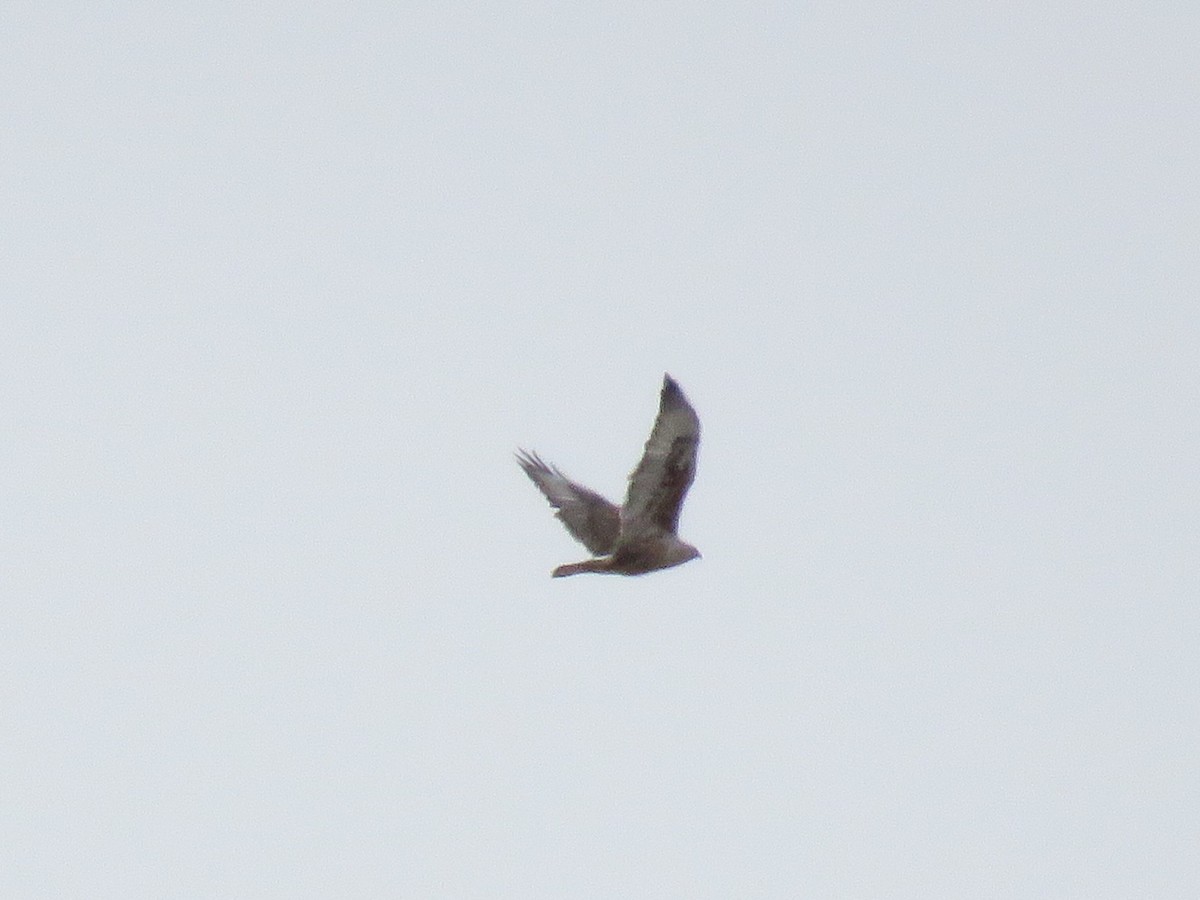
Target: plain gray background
(284, 285)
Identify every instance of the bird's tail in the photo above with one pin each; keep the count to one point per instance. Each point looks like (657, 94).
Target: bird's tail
(588, 565)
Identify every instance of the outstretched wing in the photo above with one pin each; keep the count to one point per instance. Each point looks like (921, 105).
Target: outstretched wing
(661, 480)
(591, 519)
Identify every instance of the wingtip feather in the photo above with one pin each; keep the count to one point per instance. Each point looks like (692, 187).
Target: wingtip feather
(671, 391)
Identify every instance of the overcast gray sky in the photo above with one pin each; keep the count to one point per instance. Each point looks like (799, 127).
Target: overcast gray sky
(284, 285)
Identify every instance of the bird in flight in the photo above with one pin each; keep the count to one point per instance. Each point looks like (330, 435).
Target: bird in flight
(638, 537)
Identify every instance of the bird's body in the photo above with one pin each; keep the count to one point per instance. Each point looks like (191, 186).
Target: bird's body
(640, 536)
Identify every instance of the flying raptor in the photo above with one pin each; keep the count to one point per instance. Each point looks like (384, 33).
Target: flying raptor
(638, 537)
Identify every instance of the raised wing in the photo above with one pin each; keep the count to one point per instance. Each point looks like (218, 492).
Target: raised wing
(591, 519)
(668, 466)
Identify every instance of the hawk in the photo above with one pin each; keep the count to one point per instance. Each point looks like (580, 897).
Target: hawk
(638, 537)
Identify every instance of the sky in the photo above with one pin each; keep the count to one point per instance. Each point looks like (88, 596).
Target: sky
(284, 287)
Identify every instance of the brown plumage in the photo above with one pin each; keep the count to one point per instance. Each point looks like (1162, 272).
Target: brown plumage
(640, 536)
